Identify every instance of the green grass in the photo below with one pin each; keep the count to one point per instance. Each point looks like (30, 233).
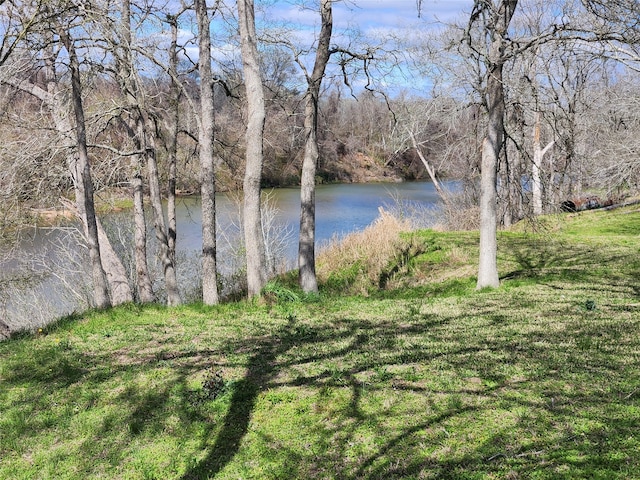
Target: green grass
(426, 379)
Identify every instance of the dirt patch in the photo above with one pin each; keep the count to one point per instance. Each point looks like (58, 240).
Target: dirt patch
(358, 168)
(52, 216)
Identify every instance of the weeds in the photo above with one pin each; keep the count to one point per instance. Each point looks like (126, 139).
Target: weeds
(362, 261)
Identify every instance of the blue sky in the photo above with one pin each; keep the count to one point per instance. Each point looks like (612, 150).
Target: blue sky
(367, 15)
(375, 16)
(373, 19)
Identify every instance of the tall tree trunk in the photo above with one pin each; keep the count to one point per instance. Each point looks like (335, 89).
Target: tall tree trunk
(172, 140)
(513, 181)
(207, 164)
(504, 188)
(144, 135)
(538, 156)
(143, 280)
(491, 146)
(114, 269)
(254, 238)
(145, 289)
(128, 88)
(155, 197)
(56, 101)
(83, 181)
(306, 247)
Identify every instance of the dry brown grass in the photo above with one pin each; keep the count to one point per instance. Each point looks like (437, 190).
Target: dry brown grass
(459, 218)
(459, 212)
(360, 259)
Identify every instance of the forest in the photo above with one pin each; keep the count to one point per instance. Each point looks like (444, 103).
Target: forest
(532, 105)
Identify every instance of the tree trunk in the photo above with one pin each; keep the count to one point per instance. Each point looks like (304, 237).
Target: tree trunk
(83, 182)
(306, 247)
(504, 191)
(513, 184)
(144, 135)
(430, 171)
(145, 289)
(155, 197)
(172, 141)
(254, 238)
(56, 101)
(129, 90)
(143, 281)
(538, 156)
(207, 164)
(114, 269)
(488, 264)
(491, 146)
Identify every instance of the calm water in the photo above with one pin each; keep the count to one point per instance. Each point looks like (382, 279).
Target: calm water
(340, 209)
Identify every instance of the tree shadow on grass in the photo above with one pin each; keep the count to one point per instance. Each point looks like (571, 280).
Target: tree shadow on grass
(260, 368)
(359, 357)
(356, 337)
(555, 261)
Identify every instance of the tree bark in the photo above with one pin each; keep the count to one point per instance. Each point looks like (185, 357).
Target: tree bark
(155, 197)
(83, 182)
(129, 90)
(492, 144)
(538, 156)
(55, 100)
(145, 289)
(172, 141)
(207, 165)
(114, 269)
(306, 247)
(254, 238)
(145, 134)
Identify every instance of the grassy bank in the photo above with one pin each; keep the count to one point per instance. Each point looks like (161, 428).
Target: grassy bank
(416, 376)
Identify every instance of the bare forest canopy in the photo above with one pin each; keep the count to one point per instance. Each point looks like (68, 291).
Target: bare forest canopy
(101, 95)
(584, 94)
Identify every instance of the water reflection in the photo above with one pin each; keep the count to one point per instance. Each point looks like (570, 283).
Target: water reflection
(340, 209)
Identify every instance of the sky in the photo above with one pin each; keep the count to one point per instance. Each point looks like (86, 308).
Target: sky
(376, 19)
(372, 19)
(370, 15)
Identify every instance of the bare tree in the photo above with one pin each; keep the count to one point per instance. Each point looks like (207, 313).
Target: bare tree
(420, 124)
(254, 240)
(74, 140)
(172, 128)
(306, 248)
(538, 155)
(125, 74)
(145, 130)
(495, 18)
(82, 176)
(207, 164)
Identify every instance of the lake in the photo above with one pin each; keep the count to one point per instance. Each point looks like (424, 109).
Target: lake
(340, 209)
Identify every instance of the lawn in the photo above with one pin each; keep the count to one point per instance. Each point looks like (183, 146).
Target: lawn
(425, 379)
